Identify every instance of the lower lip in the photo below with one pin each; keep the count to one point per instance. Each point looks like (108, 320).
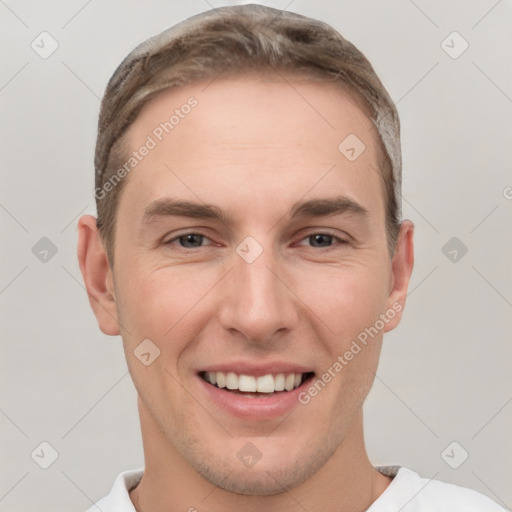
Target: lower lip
(254, 408)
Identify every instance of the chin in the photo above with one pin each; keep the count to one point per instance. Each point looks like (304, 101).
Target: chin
(257, 482)
(280, 470)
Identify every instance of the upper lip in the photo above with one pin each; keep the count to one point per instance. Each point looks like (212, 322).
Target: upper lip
(257, 369)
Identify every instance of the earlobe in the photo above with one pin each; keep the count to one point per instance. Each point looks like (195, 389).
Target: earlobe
(97, 275)
(401, 268)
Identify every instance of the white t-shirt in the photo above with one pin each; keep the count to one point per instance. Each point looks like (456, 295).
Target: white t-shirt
(408, 492)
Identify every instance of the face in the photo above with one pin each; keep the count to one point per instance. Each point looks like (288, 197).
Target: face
(250, 248)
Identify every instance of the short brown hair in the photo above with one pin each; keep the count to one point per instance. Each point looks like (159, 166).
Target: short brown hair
(235, 40)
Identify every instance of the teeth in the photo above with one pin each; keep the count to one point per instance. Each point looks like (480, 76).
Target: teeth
(220, 378)
(289, 381)
(248, 383)
(231, 380)
(279, 382)
(265, 384)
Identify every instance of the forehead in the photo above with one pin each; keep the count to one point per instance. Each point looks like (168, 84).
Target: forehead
(251, 133)
(293, 103)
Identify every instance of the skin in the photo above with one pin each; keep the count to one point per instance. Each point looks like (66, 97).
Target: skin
(253, 147)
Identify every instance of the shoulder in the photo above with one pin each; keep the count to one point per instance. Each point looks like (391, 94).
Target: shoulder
(118, 499)
(409, 492)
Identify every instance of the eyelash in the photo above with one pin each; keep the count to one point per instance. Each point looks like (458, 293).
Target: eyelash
(340, 241)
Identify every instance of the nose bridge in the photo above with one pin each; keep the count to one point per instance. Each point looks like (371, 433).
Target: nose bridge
(259, 284)
(257, 302)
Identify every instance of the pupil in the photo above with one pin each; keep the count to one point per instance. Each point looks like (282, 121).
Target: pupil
(320, 237)
(190, 238)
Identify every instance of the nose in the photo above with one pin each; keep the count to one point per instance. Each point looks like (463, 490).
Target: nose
(257, 303)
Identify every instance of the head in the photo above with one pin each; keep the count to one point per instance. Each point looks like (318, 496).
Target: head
(286, 141)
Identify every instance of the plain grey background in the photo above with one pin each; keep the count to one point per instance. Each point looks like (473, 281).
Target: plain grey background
(444, 375)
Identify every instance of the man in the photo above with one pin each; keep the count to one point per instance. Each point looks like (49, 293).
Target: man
(250, 251)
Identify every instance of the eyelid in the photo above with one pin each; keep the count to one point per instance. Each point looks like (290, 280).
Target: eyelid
(190, 232)
(318, 231)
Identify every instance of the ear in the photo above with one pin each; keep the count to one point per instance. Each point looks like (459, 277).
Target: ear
(97, 275)
(401, 269)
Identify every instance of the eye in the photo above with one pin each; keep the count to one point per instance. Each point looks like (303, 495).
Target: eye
(323, 240)
(195, 240)
(188, 240)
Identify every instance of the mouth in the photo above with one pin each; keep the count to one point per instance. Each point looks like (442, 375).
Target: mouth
(251, 386)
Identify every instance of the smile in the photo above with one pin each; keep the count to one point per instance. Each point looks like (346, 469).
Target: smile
(255, 385)
(254, 391)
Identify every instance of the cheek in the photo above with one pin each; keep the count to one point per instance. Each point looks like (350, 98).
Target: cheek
(345, 301)
(157, 304)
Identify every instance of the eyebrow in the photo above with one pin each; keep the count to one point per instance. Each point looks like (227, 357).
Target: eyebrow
(312, 208)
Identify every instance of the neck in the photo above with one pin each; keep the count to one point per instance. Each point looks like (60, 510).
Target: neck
(347, 482)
